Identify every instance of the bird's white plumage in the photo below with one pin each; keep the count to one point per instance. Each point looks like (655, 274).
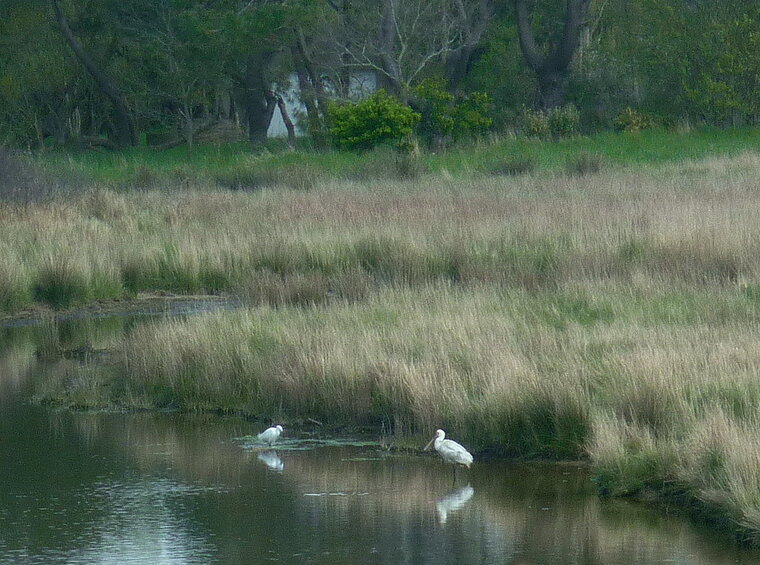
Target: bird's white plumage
(449, 450)
(270, 435)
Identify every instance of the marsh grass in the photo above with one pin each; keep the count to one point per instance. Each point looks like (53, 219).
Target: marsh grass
(513, 166)
(610, 316)
(533, 232)
(471, 360)
(585, 163)
(15, 287)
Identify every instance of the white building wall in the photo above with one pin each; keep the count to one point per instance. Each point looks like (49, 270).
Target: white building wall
(362, 83)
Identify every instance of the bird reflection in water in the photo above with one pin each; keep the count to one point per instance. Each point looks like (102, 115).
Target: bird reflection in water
(453, 501)
(271, 460)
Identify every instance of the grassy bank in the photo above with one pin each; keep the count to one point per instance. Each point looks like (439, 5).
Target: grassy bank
(235, 166)
(610, 315)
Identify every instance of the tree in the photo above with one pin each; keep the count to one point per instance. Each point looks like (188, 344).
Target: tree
(180, 61)
(39, 86)
(472, 19)
(552, 65)
(264, 31)
(125, 131)
(402, 39)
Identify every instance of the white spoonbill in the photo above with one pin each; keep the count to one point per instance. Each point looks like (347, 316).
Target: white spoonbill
(270, 435)
(450, 451)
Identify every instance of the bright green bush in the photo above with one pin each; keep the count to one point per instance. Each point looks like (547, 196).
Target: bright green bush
(437, 110)
(556, 123)
(471, 114)
(378, 119)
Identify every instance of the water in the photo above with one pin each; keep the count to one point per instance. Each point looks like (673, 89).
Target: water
(84, 488)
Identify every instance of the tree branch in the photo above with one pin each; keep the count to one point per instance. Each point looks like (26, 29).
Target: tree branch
(575, 17)
(126, 128)
(527, 40)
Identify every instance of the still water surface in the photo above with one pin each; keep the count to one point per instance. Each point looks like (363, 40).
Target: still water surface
(84, 488)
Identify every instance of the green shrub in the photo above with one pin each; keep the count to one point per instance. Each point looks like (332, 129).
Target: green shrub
(564, 121)
(633, 120)
(535, 123)
(437, 110)
(471, 115)
(445, 116)
(378, 119)
(558, 122)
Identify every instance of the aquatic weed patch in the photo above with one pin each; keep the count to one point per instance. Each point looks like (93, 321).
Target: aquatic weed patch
(302, 444)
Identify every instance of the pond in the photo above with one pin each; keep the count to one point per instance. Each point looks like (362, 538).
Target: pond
(164, 488)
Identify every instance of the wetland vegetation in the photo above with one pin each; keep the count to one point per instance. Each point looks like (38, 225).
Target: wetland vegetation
(610, 316)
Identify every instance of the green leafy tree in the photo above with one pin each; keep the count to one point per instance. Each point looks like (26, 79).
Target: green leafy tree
(125, 131)
(727, 90)
(43, 93)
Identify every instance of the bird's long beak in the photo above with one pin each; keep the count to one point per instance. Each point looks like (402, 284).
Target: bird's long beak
(429, 444)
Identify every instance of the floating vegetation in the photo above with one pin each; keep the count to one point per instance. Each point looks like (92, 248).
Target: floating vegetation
(291, 444)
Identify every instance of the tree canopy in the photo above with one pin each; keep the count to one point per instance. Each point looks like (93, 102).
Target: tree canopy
(165, 71)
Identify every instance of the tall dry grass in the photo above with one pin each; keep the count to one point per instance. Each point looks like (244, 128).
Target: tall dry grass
(611, 316)
(281, 246)
(660, 404)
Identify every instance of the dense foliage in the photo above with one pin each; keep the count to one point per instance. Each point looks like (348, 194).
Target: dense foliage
(182, 69)
(372, 121)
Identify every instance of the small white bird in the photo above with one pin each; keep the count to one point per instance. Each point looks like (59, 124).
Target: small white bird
(270, 435)
(450, 451)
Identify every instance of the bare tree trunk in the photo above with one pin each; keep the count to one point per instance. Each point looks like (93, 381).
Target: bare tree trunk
(388, 43)
(287, 121)
(309, 100)
(312, 93)
(553, 68)
(39, 133)
(126, 133)
(473, 26)
(345, 9)
(259, 100)
(187, 117)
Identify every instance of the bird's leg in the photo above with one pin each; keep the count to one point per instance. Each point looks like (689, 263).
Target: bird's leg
(454, 482)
